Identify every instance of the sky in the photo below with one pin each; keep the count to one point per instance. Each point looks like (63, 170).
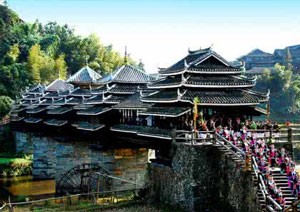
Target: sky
(160, 32)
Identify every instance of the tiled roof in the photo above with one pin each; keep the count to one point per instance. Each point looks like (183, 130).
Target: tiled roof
(169, 81)
(81, 92)
(85, 75)
(52, 95)
(101, 90)
(59, 85)
(165, 111)
(115, 99)
(34, 96)
(220, 81)
(124, 89)
(162, 96)
(74, 101)
(55, 122)
(32, 120)
(88, 126)
(223, 97)
(132, 102)
(93, 111)
(126, 74)
(203, 81)
(36, 89)
(97, 99)
(36, 110)
(60, 110)
(144, 131)
(205, 57)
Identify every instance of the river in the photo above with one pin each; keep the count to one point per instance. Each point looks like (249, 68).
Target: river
(53, 159)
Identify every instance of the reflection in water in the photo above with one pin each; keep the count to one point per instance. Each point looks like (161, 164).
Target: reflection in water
(53, 158)
(25, 186)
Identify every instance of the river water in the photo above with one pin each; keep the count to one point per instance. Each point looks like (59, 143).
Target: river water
(53, 158)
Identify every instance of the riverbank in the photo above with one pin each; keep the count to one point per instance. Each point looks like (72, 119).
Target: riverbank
(132, 206)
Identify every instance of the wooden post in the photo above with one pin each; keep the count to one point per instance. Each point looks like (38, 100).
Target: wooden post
(290, 135)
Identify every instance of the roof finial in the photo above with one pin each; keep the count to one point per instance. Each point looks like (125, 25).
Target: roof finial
(125, 56)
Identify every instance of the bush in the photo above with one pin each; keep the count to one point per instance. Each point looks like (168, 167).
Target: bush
(5, 105)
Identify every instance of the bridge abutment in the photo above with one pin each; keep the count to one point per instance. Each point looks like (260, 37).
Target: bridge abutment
(203, 178)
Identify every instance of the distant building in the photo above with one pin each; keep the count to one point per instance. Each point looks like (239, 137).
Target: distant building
(257, 59)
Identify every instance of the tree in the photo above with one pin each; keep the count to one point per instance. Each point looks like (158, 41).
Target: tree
(14, 52)
(5, 105)
(288, 59)
(34, 63)
(61, 67)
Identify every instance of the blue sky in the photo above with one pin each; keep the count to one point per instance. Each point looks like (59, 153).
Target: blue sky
(160, 31)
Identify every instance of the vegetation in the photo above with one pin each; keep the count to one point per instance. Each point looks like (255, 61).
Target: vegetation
(284, 86)
(35, 53)
(16, 166)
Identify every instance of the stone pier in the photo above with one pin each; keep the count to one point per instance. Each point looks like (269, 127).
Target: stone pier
(202, 178)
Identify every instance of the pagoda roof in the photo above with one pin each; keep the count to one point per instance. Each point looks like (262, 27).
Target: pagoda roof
(132, 102)
(100, 90)
(36, 110)
(204, 81)
(46, 101)
(85, 75)
(145, 131)
(74, 101)
(165, 111)
(34, 96)
(225, 97)
(16, 118)
(115, 99)
(204, 61)
(36, 89)
(32, 120)
(81, 92)
(123, 89)
(82, 106)
(60, 110)
(88, 126)
(93, 111)
(55, 122)
(97, 99)
(126, 74)
(59, 86)
(50, 95)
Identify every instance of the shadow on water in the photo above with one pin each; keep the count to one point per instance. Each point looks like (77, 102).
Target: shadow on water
(24, 186)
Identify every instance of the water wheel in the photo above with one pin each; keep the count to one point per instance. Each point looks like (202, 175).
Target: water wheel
(83, 178)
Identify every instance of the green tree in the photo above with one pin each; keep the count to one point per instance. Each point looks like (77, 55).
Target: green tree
(5, 105)
(14, 52)
(61, 67)
(34, 63)
(288, 59)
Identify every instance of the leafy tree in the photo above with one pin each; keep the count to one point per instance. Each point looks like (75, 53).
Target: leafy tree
(34, 63)
(5, 105)
(61, 67)
(14, 52)
(288, 59)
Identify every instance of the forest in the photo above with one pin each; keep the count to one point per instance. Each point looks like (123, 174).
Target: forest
(32, 53)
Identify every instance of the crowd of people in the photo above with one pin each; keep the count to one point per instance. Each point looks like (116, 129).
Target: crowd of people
(259, 144)
(253, 137)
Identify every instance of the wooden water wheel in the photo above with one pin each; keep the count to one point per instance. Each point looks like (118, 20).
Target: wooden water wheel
(83, 178)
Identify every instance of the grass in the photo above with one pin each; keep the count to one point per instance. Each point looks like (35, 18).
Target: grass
(6, 160)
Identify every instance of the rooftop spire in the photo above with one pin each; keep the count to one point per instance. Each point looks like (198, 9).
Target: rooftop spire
(125, 56)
